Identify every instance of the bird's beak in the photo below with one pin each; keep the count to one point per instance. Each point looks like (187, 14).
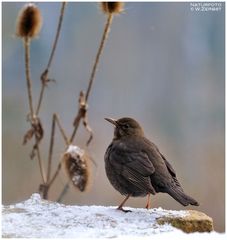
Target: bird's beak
(111, 120)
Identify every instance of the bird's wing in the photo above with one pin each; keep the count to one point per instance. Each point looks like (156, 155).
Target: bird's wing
(134, 166)
(140, 181)
(139, 162)
(172, 172)
(169, 166)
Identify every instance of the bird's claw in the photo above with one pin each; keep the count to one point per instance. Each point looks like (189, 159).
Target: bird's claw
(123, 210)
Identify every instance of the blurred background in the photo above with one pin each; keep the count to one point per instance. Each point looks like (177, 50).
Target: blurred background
(163, 65)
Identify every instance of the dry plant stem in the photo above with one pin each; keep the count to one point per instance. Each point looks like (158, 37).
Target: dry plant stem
(44, 76)
(104, 37)
(55, 174)
(42, 171)
(45, 80)
(55, 120)
(91, 80)
(76, 125)
(28, 75)
(51, 149)
(40, 98)
(64, 191)
(57, 34)
(67, 142)
(29, 88)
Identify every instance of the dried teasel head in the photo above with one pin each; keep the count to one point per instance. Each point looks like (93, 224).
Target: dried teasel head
(76, 164)
(112, 7)
(29, 21)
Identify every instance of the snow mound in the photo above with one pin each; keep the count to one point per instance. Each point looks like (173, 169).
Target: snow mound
(37, 218)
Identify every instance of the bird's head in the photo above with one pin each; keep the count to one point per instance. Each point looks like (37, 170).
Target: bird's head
(126, 127)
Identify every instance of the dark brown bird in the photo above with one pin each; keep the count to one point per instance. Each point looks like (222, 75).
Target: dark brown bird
(135, 167)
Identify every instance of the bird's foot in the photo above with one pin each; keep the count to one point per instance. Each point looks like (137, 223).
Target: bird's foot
(148, 206)
(123, 210)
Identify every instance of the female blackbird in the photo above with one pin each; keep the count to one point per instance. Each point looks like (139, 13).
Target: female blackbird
(135, 167)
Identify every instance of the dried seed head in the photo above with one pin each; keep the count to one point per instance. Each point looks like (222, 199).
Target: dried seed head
(76, 163)
(29, 21)
(112, 7)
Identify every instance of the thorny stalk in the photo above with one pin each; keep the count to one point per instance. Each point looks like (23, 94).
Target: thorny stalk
(55, 174)
(28, 75)
(94, 68)
(104, 37)
(32, 117)
(51, 149)
(42, 171)
(44, 188)
(80, 114)
(44, 76)
(28, 26)
(55, 120)
(61, 130)
(64, 191)
(57, 34)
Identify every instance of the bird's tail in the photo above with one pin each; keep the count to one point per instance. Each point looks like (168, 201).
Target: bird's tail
(181, 197)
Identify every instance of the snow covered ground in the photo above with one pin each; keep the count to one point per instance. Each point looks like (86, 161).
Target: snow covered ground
(36, 218)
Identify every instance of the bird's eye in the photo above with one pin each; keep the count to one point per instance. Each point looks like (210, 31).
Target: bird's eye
(125, 126)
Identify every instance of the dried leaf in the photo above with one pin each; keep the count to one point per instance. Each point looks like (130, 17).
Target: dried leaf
(37, 131)
(29, 134)
(88, 128)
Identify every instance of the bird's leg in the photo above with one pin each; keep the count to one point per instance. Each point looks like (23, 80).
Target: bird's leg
(121, 205)
(148, 206)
